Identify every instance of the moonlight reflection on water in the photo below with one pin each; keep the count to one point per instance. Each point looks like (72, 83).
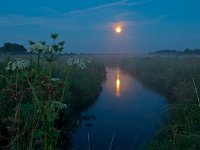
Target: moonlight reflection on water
(126, 108)
(118, 83)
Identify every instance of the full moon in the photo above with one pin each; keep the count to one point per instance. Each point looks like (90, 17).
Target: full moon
(118, 29)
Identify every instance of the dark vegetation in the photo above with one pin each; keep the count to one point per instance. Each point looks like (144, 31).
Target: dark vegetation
(83, 88)
(184, 52)
(41, 99)
(12, 48)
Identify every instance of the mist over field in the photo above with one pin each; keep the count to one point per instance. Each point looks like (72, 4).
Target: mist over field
(99, 75)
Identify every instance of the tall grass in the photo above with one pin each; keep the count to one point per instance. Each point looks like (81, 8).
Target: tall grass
(37, 98)
(178, 79)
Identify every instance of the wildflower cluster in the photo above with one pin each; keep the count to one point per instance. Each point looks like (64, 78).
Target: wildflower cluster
(19, 64)
(42, 48)
(55, 79)
(48, 52)
(37, 48)
(45, 93)
(57, 105)
(76, 62)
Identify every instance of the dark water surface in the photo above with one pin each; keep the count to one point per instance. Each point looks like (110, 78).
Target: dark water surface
(126, 115)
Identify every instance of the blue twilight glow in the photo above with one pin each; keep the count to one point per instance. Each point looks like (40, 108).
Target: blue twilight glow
(88, 25)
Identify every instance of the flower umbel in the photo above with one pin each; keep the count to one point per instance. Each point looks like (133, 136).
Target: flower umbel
(55, 79)
(19, 64)
(57, 105)
(49, 52)
(76, 62)
(37, 48)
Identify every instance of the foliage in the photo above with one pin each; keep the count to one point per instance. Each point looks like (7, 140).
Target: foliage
(33, 99)
(85, 84)
(176, 52)
(12, 49)
(182, 132)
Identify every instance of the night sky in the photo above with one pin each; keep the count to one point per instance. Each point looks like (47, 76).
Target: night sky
(88, 25)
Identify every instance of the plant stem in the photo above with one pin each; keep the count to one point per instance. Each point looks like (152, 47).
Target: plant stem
(38, 63)
(50, 69)
(196, 91)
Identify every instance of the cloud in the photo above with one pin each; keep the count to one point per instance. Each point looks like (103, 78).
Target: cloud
(15, 20)
(152, 21)
(63, 23)
(19, 20)
(48, 10)
(129, 23)
(125, 14)
(114, 4)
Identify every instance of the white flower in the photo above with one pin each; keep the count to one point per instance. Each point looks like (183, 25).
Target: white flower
(38, 48)
(57, 105)
(55, 79)
(19, 64)
(8, 67)
(76, 62)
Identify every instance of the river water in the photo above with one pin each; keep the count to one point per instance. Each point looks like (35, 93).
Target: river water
(126, 115)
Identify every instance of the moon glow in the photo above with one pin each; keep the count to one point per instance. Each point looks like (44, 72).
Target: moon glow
(118, 29)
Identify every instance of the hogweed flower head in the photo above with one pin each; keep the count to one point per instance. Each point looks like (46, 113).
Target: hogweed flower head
(76, 62)
(57, 105)
(49, 52)
(19, 64)
(55, 79)
(38, 48)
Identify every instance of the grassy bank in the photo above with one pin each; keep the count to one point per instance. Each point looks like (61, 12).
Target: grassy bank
(42, 96)
(19, 110)
(178, 79)
(84, 87)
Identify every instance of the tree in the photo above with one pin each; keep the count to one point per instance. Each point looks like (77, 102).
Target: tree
(12, 48)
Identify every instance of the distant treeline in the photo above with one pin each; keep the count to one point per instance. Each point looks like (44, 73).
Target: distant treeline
(12, 48)
(186, 51)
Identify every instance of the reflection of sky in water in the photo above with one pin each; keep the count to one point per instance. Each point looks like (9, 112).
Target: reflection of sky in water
(125, 108)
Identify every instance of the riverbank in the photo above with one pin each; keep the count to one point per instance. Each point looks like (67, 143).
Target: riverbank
(37, 110)
(126, 111)
(178, 79)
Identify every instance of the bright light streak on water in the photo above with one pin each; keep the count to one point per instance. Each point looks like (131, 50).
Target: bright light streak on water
(126, 109)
